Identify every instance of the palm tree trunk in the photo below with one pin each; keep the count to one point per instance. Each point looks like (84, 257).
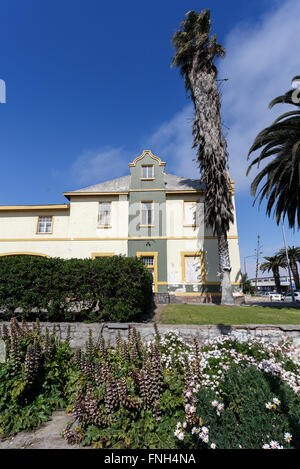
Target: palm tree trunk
(277, 279)
(295, 273)
(225, 269)
(212, 159)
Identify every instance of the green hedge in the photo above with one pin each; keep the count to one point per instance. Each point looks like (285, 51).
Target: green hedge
(107, 288)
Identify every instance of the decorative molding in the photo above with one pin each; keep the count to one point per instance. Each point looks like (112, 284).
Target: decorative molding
(33, 207)
(136, 238)
(146, 190)
(148, 153)
(7, 254)
(93, 194)
(102, 254)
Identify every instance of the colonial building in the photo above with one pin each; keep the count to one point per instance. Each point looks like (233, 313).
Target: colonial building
(149, 213)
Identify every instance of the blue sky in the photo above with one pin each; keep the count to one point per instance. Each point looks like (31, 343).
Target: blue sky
(89, 86)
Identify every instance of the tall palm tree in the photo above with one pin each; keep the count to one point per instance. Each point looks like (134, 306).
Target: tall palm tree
(294, 257)
(282, 185)
(195, 52)
(273, 264)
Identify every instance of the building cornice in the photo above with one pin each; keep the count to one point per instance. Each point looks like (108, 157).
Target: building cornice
(93, 194)
(34, 207)
(134, 238)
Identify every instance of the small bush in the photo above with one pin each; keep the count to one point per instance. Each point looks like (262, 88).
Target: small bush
(254, 410)
(107, 288)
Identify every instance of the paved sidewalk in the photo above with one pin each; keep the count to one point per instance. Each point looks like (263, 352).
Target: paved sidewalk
(47, 436)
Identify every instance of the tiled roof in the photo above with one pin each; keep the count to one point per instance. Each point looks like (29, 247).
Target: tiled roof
(122, 184)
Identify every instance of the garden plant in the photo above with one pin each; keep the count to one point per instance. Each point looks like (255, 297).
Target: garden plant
(163, 394)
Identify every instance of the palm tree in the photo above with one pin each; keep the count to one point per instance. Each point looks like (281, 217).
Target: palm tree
(294, 257)
(274, 263)
(246, 284)
(282, 186)
(195, 53)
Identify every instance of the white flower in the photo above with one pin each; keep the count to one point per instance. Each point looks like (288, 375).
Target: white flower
(184, 424)
(192, 409)
(214, 403)
(276, 401)
(176, 433)
(269, 405)
(204, 430)
(274, 444)
(220, 406)
(287, 437)
(181, 436)
(266, 446)
(213, 446)
(195, 430)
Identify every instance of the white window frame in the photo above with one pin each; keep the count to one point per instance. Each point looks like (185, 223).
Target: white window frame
(147, 176)
(44, 222)
(145, 221)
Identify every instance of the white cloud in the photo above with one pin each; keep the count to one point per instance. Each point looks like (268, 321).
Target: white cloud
(172, 142)
(93, 167)
(260, 63)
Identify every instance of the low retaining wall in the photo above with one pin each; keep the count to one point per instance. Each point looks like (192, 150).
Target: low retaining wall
(165, 298)
(79, 332)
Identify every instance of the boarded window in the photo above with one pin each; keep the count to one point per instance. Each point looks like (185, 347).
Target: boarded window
(192, 266)
(104, 213)
(192, 213)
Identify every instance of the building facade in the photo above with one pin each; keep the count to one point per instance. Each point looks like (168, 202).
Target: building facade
(267, 284)
(151, 214)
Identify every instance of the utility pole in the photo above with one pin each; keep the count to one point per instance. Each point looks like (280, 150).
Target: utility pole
(288, 261)
(258, 251)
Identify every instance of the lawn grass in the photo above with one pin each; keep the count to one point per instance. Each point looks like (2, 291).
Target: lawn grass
(228, 315)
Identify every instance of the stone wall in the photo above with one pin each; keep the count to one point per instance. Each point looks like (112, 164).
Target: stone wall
(79, 332)
(165, 298)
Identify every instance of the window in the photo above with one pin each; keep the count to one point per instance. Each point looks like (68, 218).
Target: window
(148, 260)
(147, 213)
(44, 225)
(147, 171)
(192, 210)
(193, 269)
(104, 213)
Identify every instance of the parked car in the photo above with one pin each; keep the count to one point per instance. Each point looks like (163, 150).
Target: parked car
(288, 296)
(275, 296)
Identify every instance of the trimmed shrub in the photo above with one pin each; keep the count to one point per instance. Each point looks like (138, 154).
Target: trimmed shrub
(107, 288)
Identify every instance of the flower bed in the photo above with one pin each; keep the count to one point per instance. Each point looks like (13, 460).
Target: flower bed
(162, 394)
